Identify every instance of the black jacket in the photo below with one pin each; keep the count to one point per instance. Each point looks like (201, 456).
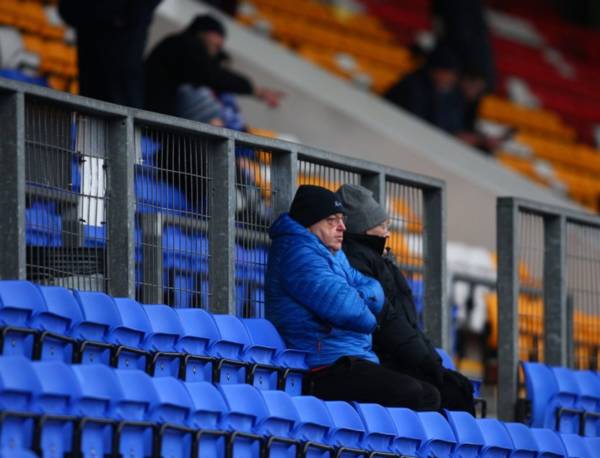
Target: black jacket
(180, 59)
(398, 338)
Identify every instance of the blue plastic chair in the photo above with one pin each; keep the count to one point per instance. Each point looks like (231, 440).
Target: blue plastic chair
(162, 340)
(278, 425)
(261, 372)
(293, 362)
(18, 387)
(588, 383)
(130, 336)
(575, 446)
(59, 389)
(496, 440)
(347, 432)
(313, 426)
(410, 431)
(200, 332)
(208, 409)
(100, 314)
(172, 411)
(381, 431)
(568, 400)
(246, 409)
(469, 440)
(133, 434)
(439, 438)
(549, 443)
(524, 444)
(592, 444)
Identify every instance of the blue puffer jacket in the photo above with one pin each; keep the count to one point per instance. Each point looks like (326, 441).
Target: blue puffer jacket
(316, 300)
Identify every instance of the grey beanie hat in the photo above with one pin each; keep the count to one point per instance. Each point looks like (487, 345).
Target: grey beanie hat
(363, 212)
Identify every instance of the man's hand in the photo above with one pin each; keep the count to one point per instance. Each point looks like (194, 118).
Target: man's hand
(269, 96)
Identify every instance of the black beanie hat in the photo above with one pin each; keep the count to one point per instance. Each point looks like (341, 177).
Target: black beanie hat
(311, 204)
(207, 23)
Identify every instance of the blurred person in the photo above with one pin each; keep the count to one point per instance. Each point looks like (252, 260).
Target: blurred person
(431, 92)
(111, 37)
(198, 104)
(398, 340)
(323, 306)
(193, 57)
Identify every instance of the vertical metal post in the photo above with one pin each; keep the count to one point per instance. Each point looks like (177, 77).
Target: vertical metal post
(556, 320)
(222, 229)
(436, 315)
(12, 186)
(284, 176)
(507, 235)
(121, 208)
(376, 183)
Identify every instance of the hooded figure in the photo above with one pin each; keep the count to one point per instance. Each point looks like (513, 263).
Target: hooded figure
(321, 305)
(398, 340)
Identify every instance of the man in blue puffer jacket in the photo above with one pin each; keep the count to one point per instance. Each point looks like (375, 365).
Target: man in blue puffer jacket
(321, 305)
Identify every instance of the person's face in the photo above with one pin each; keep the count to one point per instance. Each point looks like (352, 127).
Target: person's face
(382, 230)
(444, 80)
(213, 42)
(472, 87)
(330, 231)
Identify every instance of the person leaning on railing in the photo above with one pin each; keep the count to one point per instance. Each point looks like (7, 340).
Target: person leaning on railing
(398, 341)
(320, 304)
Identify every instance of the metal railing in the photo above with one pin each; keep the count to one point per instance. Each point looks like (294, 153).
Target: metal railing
(102, 197)
(548, 291)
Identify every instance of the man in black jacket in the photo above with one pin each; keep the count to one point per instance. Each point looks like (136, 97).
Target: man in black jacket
(398, 341)
(192, 57)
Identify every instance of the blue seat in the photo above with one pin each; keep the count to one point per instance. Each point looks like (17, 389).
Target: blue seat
(59, 388)
(592, 444)
(524, 444)
(439, 438)
(568, 400)
(133, 435)
(208, 409)
(588, 383)
(172, 411)
(162, 340)
(469, 440)
(496, 440)
(279, 423)
(19, 453)
(129, 337)
(549, 443)
(347, 431)
(263, 333)
(20, 301)
(313, 426)
(261, 372)
(43, 225)
(200, 333)
(381, 431)
(100, 314)
(245, 409)
(575, 446)
(18, 387)
(410, 431)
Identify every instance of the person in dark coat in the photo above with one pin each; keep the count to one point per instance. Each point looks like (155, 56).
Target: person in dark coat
(321, 305)
(193, 57)
(398, 341)
(111, 37)
(431, 92)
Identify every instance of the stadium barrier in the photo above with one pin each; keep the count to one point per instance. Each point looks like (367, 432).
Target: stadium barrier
(101, 197)
(548, 292)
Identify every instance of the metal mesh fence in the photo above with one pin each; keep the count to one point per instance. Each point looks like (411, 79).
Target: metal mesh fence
(172, 187)
(66, 224)
(254, 214)
(583, 292)
(325, 176)
(404, 205)
(531, 275)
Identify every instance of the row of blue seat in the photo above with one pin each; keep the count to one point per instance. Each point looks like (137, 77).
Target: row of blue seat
(49, 322)
(94, 410)
(563, 399)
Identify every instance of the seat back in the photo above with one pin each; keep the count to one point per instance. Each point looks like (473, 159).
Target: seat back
(199, 331)
(174, 404)
(497, 441)
(575, 446)
(281, 416)
(549, 443)
(208, 405)
(19, 301)
(469, 440)
(263, 332)
(315, 422)
(61, 302)
(447, 361)
(541, 390)
(139, 395)
(588, 383)
(135, 323)
(100, 314)
(58, 387)
(410, 432)
(567, 396)
(439, 438)
(524, 444)
(19, 384)
(246, 407)
(348, 429)
(166, 328)
(380, 428)
(234, 337)
(100, 390)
